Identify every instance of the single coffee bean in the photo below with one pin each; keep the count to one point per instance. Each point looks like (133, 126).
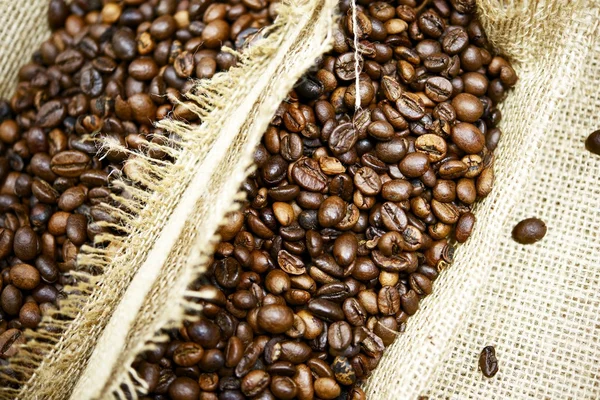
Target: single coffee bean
(464, 227)
(468, 107)
(24, 276)
(184, 388)
(10, 341)
(339, 335)
(283, 387)
(592, 143)
(255, 382)
(488, 363)
(414, 165)
(468, 137)
(327, 388)
(275, 318)
(51, 114)
(188, 354)
(529, 231)
(26, 243)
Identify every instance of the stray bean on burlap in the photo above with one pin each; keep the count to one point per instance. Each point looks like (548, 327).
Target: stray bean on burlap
(539, 305)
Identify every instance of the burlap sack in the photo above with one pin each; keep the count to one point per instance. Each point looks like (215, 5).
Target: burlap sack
(539, 305)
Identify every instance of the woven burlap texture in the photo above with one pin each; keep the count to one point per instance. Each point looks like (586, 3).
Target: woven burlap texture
(539, 305)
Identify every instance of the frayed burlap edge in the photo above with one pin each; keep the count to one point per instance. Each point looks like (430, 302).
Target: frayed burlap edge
(49, 365)
(246, 99)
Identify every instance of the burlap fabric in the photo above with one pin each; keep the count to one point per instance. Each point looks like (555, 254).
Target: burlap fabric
(539, 305)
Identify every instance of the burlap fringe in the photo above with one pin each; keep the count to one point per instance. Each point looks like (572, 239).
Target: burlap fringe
(50, 364)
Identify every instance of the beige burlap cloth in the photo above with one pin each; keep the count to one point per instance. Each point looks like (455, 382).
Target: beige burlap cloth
(539, 304)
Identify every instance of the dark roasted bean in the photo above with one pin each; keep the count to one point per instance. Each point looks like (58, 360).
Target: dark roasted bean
(529, 231)
(488, 363)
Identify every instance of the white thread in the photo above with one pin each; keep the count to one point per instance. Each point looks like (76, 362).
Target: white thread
(356, 57)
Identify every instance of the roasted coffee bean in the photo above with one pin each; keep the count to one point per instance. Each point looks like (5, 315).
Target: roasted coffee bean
(188, 354)
(24, 276)
(327, 388)
(411, 106)
(283, 387)
(468, 138)
(26, 243)
(414, 165)
(184, 388)
(592, 143)
(438, 89)
(331, 211)
(529, 231)
(468, 107)
(343, 138)
(339, 335)
(51, 114)
(275, 318)
(255, 382)
(307, 174)
(464, 227)
(488, 363)
(10, 341)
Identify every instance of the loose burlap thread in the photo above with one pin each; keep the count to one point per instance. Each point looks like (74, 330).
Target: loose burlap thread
(539, 304)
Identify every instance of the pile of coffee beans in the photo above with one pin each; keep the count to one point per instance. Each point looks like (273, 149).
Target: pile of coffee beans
(351, 214)
(110, 68)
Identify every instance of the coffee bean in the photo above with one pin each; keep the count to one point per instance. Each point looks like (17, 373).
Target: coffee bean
(10, 341)
(91, 82)
(24, 276)
(26, 243)
(11, 300)
(184, 388)
(464, 227)
(331, 211)
(339, 335)
(188, 354)
(307, 174)
(70, 163)
(345, 248)
(468, 137)
(51, 114)
(124, 44)
(529, 231)
(393, 217)
(367, 181)
(438, 89)
(326, 309)
(468, 107)
(410, 106)
(290, 263)
(275, 318)
(255, 382)
(327, 388)
(283, 387)
(592, 143)
(488, 363)
(343, 138)
(414, 165)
